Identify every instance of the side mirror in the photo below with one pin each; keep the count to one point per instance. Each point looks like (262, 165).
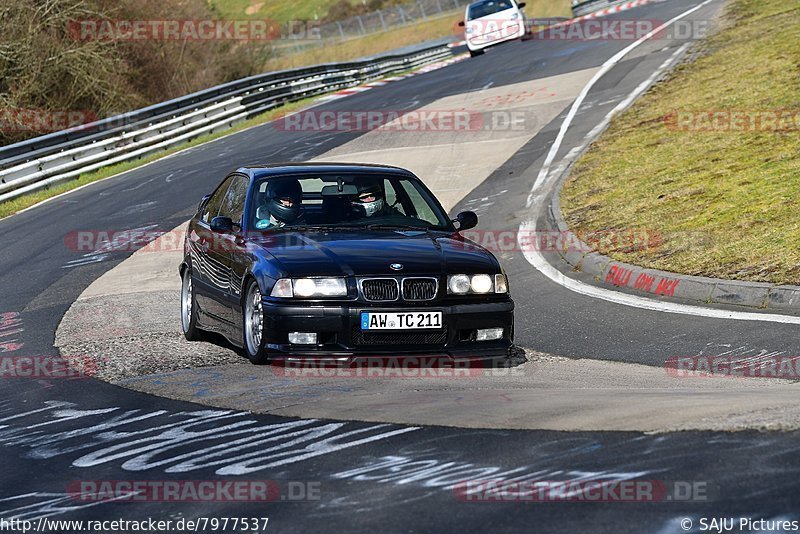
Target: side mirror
(461, 23)
(203, 202)
(521, 5)
(466, 220)
(222, 225)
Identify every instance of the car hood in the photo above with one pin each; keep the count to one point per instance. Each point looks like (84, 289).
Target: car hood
(350, 253)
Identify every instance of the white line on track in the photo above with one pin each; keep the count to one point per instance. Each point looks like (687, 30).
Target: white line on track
(607, 66)
(538, 261)
(619, 108)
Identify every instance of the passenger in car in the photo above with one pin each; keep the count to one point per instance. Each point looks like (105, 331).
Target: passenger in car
(370, 200)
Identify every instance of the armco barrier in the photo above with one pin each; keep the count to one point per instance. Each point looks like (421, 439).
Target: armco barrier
(580, 8)
(43, 161)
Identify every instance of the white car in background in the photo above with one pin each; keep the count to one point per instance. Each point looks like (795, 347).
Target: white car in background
(490, 22)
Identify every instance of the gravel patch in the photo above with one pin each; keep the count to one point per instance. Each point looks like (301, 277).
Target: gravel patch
(129, 357)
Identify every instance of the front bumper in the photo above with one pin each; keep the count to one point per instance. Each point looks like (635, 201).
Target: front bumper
(340, 339)
(507, 33)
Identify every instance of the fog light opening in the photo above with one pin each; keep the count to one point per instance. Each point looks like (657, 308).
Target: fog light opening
(303, 338)
(488, 334)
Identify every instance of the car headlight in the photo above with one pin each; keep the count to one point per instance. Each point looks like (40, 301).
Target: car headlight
(309, 287)
(458, 284)
(480, 284)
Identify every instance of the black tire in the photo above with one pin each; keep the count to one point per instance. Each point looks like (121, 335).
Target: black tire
(252, 319)
(189, 309)
(474, 53)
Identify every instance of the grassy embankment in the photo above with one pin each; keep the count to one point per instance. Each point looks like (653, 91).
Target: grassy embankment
(726, 199)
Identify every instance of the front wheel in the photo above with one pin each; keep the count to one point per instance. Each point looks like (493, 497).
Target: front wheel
(189, 308)
(473, 53)
(253, 330)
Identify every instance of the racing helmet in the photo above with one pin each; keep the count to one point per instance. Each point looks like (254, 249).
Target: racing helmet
(369, 199)
(283, 199)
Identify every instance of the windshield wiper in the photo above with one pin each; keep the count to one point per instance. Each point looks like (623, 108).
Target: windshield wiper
(298, 228)
(326, 228)
(379, 226)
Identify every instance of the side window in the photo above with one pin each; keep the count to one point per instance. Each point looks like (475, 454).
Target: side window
(421, 207)
(212, 206)
(233, 201)
(391, 196)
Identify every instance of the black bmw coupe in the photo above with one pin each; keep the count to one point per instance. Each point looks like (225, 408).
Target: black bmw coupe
(338, 262)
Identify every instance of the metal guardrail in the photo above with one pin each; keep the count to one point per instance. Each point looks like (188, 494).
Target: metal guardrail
(38, 163)
(584, 7)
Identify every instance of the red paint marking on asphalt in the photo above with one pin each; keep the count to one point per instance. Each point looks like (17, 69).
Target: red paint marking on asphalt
(10, 324)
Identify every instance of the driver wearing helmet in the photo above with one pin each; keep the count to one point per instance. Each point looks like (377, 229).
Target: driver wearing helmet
(369, 202)
(283, 197)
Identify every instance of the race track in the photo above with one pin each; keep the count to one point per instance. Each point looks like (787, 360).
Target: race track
(374, 475)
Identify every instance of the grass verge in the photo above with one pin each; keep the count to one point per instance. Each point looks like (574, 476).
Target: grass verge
(377, 43)
(724, 198)
(368, 45)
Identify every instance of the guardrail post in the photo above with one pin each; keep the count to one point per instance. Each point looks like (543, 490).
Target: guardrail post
(383, 22)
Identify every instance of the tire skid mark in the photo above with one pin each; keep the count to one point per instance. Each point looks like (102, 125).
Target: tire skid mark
(228, 442)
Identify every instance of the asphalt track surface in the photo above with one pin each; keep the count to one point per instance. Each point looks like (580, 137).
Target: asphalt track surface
(373, 477)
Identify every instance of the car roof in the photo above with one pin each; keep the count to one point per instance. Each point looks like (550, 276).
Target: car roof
(279, 169)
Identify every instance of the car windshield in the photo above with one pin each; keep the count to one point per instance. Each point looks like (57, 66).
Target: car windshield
(355, 201)
(487, 7)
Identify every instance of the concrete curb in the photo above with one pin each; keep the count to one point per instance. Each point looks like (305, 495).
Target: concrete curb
(606, 271)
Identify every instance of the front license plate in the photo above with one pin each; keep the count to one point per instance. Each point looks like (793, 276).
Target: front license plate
(401, 320)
